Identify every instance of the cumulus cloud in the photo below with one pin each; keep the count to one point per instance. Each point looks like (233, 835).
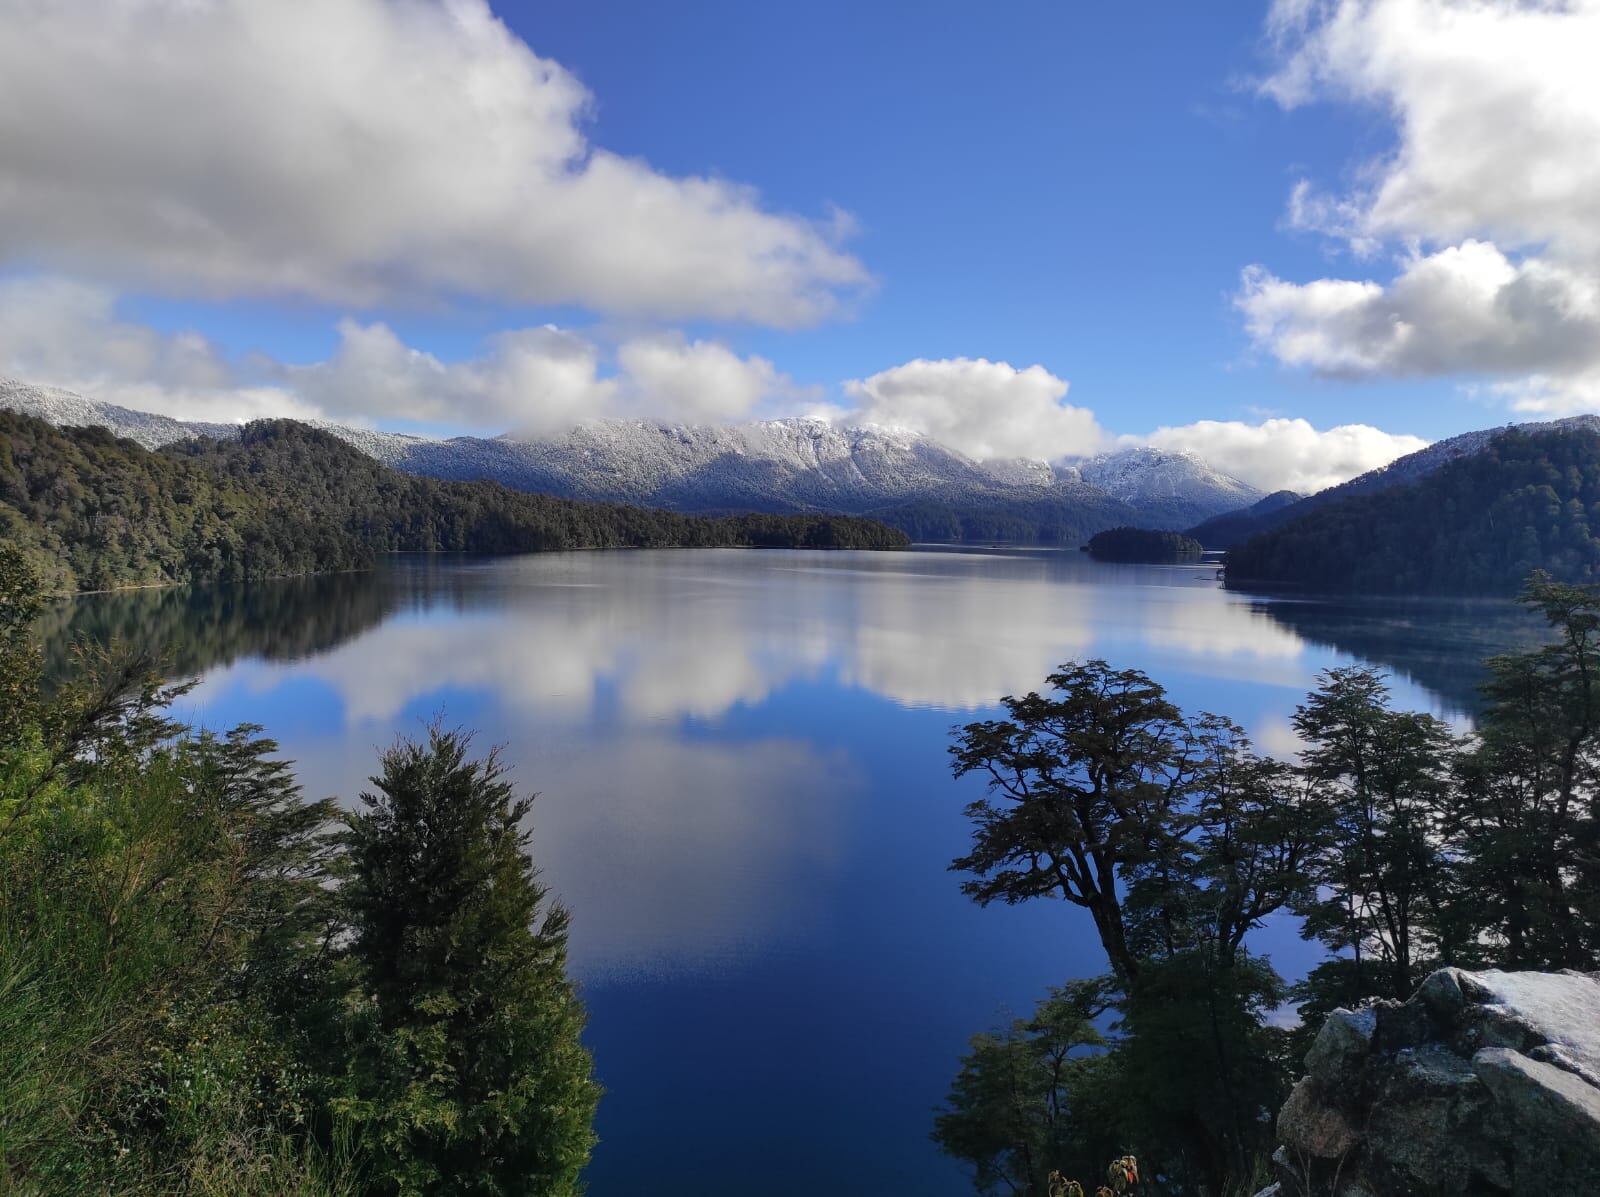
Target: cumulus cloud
(1287, 454)
(364, 151)
(1496, 108)
(544, 380)
(1465, 309)
(1489, 189)
(668, 376)
(982, 408)
(67, 333)
(533, 380)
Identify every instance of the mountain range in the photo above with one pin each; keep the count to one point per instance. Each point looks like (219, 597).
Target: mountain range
(779, 466)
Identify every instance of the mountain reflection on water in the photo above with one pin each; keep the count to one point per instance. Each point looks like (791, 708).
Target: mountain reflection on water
(745, 797)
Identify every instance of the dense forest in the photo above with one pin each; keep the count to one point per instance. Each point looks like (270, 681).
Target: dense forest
(1142, 544)
(1228, 529)
(210, 985)
(1477, 525)
(91, 511)
(1045, 520)
(1400, 845)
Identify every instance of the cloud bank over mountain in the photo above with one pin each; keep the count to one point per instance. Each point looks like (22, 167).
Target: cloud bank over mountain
(1288, 454)
(543, 381)
(985, 409)
(373, 160)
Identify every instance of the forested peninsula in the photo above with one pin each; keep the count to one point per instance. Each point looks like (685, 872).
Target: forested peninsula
(1528, 500)
(91, 511)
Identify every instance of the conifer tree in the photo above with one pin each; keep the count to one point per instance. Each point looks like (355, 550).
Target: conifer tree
(471, 1077)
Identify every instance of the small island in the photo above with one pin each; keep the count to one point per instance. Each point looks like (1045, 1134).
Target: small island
(1143, 545)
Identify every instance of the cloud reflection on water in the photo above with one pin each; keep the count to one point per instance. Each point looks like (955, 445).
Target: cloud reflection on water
(676, 637)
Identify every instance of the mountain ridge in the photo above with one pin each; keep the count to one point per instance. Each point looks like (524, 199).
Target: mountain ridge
(1228, 529)
(794, 465)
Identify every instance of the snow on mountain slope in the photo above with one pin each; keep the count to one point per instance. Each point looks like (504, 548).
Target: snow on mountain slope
(1148, 475)
(771, 465)
(1424, 461)
(68, 409)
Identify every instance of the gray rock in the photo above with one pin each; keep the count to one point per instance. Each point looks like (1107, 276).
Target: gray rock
(1341, 1047)
(1426, 1126)
(1310, 1125)
(1559, 1012)
(1482, 1085)
(1554, 1117)
(1441, 993)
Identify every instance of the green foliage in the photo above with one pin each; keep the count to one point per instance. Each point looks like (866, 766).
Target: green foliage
(1028, 1100)
(194, 1000)
(1142, 544)
(1050, 520)
(90, 511)
(1385, 884)
(1478, 525)
(1083, 787)
(1403, 846)
(469, 1078)
(1230, 528)
(1178, 840)
(19, 664)
(156, 892)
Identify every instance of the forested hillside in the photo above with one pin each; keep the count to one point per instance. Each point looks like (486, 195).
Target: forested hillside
(92, 511)
(791, 466)
(1478, 525)
(1232, 527)
(1048, 519)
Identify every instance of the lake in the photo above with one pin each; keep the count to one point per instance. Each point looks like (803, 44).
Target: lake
(745, 799)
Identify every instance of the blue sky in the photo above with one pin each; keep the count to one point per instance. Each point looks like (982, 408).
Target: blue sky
(371, 211)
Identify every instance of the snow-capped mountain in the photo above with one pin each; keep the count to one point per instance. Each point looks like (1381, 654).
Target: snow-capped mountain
(1165, 481)
(67, 409)
(769, 465)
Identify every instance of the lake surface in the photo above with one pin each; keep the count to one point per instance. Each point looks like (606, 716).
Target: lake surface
(745, 800)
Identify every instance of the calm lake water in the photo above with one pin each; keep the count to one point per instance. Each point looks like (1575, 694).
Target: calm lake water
(745, 801)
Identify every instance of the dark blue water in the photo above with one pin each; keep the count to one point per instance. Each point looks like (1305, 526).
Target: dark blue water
(745, 801)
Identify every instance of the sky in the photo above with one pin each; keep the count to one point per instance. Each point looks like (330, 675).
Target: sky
(1300, 238)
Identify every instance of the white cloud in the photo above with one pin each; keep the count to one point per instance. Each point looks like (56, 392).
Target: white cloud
(361, 151)
(1288, 454)
(532, 380)
(982, 408)
(1496, 108)
(669, 377)
(67, 333)
(536, 381)
(1467, 309)
(1489, 189)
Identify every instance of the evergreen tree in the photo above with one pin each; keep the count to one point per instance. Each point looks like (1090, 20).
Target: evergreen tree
(1530, 792)
(1385, 880)
(471, 1078)
(1030, 1101)
(1084, 785)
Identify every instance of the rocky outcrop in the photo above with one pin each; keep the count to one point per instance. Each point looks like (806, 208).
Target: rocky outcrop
(1482, 1084)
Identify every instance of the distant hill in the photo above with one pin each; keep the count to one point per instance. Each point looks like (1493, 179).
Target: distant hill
(779, 466)
(1476, 523)
(1229, 528)
(276, 498)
